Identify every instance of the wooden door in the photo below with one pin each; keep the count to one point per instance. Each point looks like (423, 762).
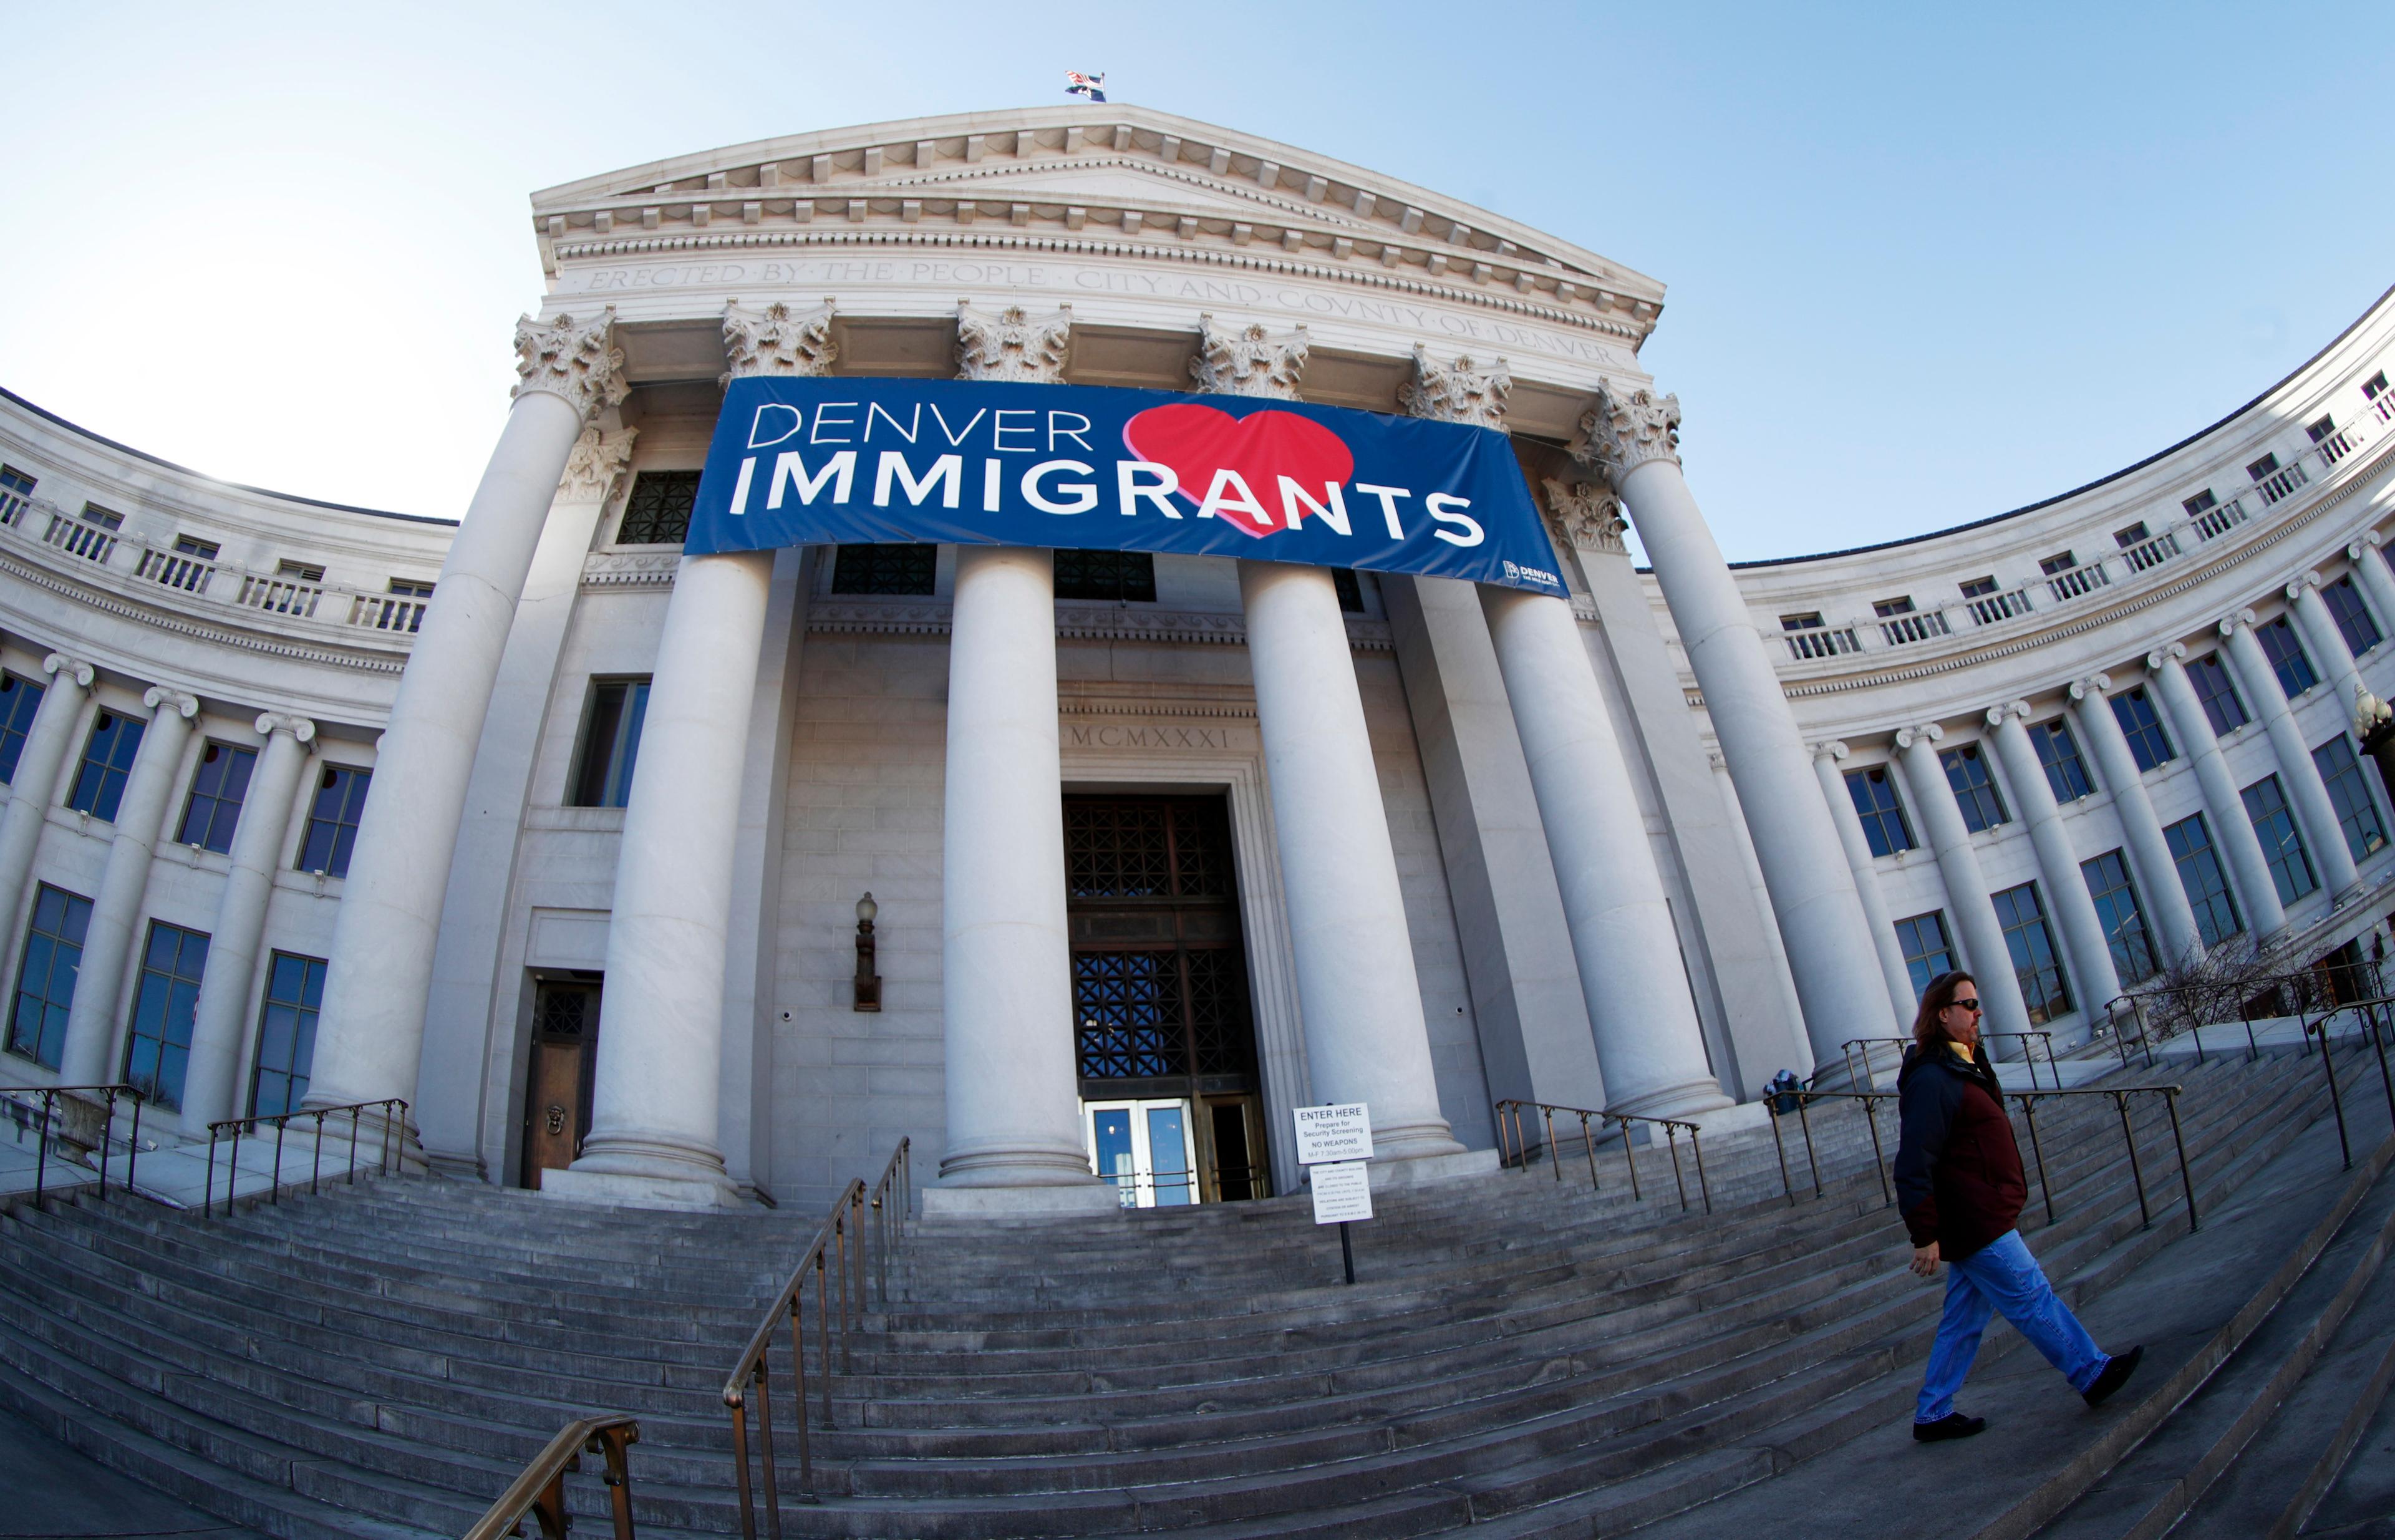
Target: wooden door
(557, 1088)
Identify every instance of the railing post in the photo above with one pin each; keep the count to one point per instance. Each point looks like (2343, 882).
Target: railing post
(2185, 1173)
(1879, 1159)
(316, 1157)
(41, 1153)
(610, 1442)
(232, 1170)
(1554, 1165)
(1780, 1145)
(2029, 1115)
(2374, 1016)
(1704, 1186)
(765, 1440)
(799, 1369)
(1630, 1158)
(740, 1467)
(351, 1180)
(133, 1143)
(208, 1187)
(107, 1125)
(1588, 1148)
(822, 1336)
(2136, 1168)
(1672, 1138)
(274, 1190)
(1805, 1121)
(2335, 1097)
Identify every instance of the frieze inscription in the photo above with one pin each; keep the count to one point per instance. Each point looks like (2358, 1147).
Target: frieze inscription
(1163, 738)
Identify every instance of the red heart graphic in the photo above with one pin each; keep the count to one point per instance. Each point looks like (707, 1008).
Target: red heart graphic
(1261, 447)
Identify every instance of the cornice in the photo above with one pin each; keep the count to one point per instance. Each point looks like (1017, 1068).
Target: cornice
(1073, 623)
(1069, 246)
(2260, 539)
(366, 661)
(604, 569)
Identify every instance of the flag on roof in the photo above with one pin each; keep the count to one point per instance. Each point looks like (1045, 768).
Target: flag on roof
(1089, 87)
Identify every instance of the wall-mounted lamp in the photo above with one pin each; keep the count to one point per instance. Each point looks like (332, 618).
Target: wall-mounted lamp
(869, 983)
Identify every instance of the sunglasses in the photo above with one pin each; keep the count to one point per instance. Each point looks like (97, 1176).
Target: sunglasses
(1971, 1005)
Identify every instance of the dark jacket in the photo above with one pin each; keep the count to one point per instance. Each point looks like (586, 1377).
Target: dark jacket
(1958, 1171)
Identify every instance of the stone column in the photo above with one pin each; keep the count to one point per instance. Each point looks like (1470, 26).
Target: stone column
(2370, 573)
(1859, 861)
(1006, 970)
(1633, 436)
(35, 787)
(1648, 1043)
(1975, 926)
(2084, 946)
(1365, 1037)
(91, 1024)
(652, 1123)
(2150, 856)
(2232, 831)
(372, 1024)
(220, 1025)
(2307, 793)
(2327, 642)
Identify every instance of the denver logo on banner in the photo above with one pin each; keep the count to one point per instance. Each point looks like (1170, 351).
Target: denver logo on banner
(1083, 467)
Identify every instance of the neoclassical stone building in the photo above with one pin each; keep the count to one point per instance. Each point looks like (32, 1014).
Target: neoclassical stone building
(687, 879)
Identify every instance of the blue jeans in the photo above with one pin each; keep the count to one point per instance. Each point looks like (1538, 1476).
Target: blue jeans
(2002, 1276)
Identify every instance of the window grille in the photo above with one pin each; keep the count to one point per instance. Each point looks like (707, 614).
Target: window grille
(1884, 826)
(45, 975)
(2150, 745)
(1110, 576)
(1975, 788)
(2203, 879)
(107, 761)
(885, 569)
(286, 1034)
(2349, 792)
(2222, 706)
(2354, 621)
(165, 1002)
(2059, 752)
(658, 510)
(20, 699)
(333, 817)
(2285, 651)
(2134, 958)
(2044, 989)
(1929, 950)
(218, 791)
(2282, 843)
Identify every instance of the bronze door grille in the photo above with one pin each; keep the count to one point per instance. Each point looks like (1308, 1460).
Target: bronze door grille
(1159, 985)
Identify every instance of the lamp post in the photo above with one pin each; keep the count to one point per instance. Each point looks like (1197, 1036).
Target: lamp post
(869, 983)
(2374, 724)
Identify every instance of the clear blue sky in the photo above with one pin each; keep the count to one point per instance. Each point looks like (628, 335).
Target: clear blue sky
(1925, 263)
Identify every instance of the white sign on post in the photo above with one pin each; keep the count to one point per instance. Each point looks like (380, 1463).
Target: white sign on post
(1340, 1131)
(1342, 1190)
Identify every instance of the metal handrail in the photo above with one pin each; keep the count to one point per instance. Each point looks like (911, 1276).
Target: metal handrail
(2307, 986)
(2120, 1095)
(836, 1252)
(2375, 1018)
(540, 1487)
(49, 1095)
(1516, 1151)
(385, 1156)
(2030, 1042)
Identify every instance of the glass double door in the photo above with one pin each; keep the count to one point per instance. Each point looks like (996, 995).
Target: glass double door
(1145, 1149)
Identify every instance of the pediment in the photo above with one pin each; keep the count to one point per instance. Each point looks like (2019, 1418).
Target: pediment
(1122, 182)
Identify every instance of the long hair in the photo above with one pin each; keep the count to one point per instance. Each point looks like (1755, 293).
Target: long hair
(1927, 1026)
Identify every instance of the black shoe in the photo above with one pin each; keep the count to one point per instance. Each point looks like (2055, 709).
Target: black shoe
(2116, 1375)
(1954, 1425)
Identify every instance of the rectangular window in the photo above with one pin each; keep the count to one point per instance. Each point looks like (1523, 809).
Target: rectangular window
(2222, 706)
(1350, 589)
(46, 979)
(16, 490)
(2285, 651)
(2261, 469)
(1113, 577)
(2353, 618)
(300, 571)
(1888, 609)
(192, 546)
(333, 820)
(2035, 963)
(2133, 535)
(2058, 751)
(2061, 561)
(657, 513)
(2116, 910)
(2203, 502)
(1975, 788)
(2283, 845)
(2320, 430)
(286, 1034)
(95, 514)
(884, 569)
(2375, 387)
(2349, 792)
(2148, 744)
(20, 699)
(159, 1048)
(217, 793)
(1808, 621)
(610, 743)
(2201, 876)
(411, 588)
(1929, 950)
(107, 760)
(1885, 825)
(1978, 588)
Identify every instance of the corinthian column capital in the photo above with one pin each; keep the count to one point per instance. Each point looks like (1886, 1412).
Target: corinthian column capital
(2235, 619)
(1927, 731)
(776, 340)
(2169, 652)
(159, 698)
(1457, 392)
(1997, 714)
(1012, 345)
(1249, 360)
(2301, 581)
(576, 362)
(65, 668)
(1586, 516)
(596, 465)
(1626, 428)
(301, 729)
(2092, 688)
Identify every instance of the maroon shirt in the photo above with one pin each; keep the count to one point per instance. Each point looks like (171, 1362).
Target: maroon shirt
(1958, 1169)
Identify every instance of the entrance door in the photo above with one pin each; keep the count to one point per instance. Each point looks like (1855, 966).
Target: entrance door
(1165, 1043)
(556, 1089)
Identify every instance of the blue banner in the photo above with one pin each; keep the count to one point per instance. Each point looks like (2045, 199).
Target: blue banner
(1092, 468)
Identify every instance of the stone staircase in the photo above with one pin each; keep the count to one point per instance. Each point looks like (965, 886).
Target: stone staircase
(1521, 1354)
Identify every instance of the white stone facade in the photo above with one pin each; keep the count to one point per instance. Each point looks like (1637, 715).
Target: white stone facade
(1690, 749)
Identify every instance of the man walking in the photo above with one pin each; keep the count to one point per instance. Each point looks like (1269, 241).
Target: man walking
(1960, 1187)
